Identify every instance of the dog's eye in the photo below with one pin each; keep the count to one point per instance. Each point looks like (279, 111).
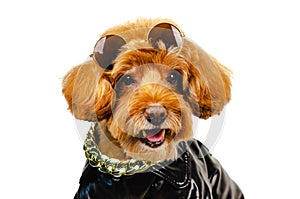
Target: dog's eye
(174, 77)
(128, 80)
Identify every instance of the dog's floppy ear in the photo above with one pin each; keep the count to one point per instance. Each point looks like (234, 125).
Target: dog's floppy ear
(166, 33)
(87, 92)
(107, 49)
(210, 85)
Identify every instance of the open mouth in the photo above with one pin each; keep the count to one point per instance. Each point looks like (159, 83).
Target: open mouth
(154, 137)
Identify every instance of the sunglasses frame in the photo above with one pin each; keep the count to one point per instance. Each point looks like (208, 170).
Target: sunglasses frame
(155, 35)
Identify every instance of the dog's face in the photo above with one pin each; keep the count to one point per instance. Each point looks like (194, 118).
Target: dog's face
(146, 92)
(150, 111)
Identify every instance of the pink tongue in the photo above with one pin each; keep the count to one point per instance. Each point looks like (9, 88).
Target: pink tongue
(156, 138)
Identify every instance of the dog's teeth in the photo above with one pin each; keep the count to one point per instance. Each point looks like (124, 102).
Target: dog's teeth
(163, 132)
(144, 133)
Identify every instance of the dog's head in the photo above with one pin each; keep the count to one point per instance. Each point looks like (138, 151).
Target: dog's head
(146, 81)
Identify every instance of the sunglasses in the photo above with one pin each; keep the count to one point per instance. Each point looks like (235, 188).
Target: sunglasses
(107, 47)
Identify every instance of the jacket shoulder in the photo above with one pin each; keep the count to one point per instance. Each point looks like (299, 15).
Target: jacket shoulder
(221, 184)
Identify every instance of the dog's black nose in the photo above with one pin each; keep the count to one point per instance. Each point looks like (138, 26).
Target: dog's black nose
(155, 114)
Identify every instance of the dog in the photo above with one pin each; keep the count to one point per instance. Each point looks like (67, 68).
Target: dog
(140, 88)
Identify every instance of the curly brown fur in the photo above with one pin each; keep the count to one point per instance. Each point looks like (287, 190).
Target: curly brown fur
(96, 94)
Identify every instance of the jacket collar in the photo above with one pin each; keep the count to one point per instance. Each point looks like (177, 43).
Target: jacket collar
(178, 172)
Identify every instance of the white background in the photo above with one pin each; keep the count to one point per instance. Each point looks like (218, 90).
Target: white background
(41, 153)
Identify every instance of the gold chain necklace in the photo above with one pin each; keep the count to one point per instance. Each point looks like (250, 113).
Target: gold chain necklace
(109, 165)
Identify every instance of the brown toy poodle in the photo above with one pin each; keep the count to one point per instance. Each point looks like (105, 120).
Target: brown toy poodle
(140, 88)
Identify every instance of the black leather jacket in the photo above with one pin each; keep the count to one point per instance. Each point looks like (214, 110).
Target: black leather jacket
(195, 174)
